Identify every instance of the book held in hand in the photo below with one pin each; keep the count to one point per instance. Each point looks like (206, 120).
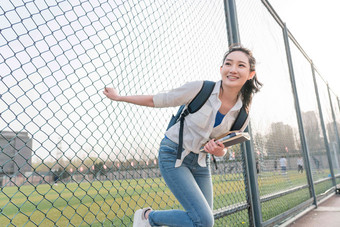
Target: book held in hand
(232, 138)
(235, 138)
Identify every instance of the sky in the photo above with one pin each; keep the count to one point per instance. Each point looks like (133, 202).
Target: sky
(59, 57)
(315, 25)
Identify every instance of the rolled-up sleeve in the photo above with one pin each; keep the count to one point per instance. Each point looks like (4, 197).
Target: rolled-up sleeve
(178, 96)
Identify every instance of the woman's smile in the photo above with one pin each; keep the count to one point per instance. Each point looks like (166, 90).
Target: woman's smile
(233, 77)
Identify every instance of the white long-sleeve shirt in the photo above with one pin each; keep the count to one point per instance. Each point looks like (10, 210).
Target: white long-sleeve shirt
(199, 126)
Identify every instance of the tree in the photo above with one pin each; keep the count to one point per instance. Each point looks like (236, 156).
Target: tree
(331, 132)
(60, 174)
(99, 169)
(259, 144)
(312, 131)
(280, 139)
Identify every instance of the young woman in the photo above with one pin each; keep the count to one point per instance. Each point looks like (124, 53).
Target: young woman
(189, 178)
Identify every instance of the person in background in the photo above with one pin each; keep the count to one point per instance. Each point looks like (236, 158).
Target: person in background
(300, 165)
(283, 164)
(189, 178)
(257, 166)
(317, 164)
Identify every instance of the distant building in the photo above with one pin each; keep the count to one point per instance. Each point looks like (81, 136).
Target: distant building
(15, 153)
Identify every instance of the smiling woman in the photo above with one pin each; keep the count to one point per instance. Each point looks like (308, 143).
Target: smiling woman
(235, 75)
(187, 173)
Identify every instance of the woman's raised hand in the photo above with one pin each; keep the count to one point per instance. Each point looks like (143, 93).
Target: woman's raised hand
(142, 100)
(111, 93)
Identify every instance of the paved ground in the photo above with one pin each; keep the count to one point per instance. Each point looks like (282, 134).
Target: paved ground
(326, 215)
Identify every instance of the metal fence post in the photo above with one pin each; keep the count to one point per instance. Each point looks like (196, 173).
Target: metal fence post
(299, 117)
(323, 127)
(231, 21)
(334, 119)
(254, 192)
(251, 183)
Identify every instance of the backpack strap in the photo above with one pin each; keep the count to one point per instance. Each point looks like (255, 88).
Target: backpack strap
(240, 120)
(193, 107)
(201, 97)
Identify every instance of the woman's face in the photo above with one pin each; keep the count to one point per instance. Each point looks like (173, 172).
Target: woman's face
(235, 70)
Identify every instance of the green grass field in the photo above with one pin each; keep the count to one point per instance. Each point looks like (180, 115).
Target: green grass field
(112, 203)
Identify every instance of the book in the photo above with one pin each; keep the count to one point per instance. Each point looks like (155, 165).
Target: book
(232, 138)
(235, 138)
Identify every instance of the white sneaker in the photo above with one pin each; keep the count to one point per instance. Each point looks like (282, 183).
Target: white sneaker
(139, 219)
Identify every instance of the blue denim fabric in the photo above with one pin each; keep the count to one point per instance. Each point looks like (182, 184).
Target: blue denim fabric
(192, 186)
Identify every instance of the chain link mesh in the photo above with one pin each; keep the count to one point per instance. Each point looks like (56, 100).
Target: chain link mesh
(71, 157)
(276, 136)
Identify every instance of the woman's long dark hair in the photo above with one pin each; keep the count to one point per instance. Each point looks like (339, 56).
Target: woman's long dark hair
(251, 86)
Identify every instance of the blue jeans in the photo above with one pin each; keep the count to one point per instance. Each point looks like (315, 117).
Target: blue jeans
(192, 186)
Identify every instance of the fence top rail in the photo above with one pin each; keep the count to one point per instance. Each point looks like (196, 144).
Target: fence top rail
(282, 25)
(290, 35)
(230, 209)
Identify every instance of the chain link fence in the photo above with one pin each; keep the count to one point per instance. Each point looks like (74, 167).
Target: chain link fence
(69, 156)
(292, 174)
